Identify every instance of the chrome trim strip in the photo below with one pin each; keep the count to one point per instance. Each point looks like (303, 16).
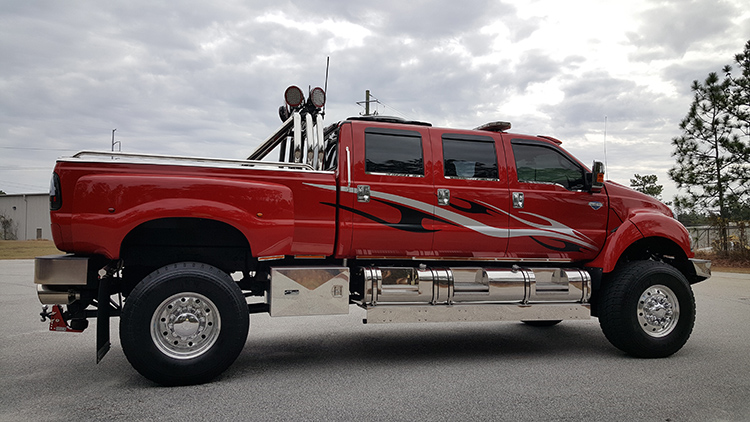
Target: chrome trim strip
(375, 173)
(476, 312)
(465, 259)
(174, 160)
(310, 132)
(348, 168)
(319, 142)
(297, 158)
(271, 258)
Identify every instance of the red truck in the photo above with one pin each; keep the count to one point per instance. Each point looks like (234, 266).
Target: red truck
(410, 222)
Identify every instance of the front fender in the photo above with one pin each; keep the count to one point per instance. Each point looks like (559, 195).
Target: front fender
(640, 226)
(107, 207)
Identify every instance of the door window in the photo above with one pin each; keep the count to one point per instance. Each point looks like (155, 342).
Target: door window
(544, 164)
(469, 159)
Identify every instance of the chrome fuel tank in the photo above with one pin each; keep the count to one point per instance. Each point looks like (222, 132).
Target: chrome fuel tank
(384, 285)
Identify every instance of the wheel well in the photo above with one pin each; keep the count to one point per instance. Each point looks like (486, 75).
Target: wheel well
(658, 249)
(653, 249)
(169, 240)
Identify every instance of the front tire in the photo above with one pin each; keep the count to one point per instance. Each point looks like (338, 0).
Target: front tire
(184, 324)
(647, 309)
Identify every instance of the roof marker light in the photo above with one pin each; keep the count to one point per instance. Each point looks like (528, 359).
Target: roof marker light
(494, 127)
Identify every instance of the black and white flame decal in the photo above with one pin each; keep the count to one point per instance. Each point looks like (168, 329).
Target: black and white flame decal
(414, 212)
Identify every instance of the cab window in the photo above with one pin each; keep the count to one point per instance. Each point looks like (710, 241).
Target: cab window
(540, 163)
(469, 157)
(394, 152)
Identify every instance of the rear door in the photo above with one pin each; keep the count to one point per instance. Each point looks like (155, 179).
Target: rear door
(552, 217)
(471, 186)
(392, 214)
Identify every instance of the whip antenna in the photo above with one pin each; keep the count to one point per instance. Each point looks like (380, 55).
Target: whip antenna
(325, 87)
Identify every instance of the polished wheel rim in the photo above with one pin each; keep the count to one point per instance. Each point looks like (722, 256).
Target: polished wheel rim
(185, 325)
(658, 311)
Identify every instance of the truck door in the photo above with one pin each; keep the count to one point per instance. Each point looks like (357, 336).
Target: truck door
(552, 217)
(471, 186)
(392, 214)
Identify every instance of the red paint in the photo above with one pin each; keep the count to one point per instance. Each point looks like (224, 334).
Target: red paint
(302, 212)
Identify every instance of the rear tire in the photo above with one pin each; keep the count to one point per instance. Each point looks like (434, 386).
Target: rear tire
(647, 309)
(184, 324)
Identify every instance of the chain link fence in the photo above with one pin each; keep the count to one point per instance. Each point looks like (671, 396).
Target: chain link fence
(705, 238)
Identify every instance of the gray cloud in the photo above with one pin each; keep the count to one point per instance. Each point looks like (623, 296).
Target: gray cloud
(670, 28)
(206, 79)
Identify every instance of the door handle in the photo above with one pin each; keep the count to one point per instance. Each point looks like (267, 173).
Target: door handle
(363, 193)
(517, 199)
(444, 196)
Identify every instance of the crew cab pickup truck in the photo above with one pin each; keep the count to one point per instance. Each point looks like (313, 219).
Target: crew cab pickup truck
(410, 222)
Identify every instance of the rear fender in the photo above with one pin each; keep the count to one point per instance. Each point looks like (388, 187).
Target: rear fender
(108, 207)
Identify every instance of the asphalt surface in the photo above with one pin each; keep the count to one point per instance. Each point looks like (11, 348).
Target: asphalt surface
(338, 369)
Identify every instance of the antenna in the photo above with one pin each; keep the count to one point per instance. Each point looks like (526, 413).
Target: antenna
(606, 166)
(118, 143)
(325, 86)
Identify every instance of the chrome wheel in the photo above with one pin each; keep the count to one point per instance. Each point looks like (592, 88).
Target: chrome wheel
(658, 311)
(185, 325)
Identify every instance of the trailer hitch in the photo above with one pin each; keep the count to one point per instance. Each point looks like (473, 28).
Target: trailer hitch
(57, 320)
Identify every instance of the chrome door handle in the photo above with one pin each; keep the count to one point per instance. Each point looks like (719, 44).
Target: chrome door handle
(363, 193)
(517, 199)
(444, 196)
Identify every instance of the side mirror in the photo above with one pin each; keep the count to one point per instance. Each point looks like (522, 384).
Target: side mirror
(597, 176)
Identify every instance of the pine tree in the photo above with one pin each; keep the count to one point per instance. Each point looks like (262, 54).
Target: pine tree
(712, 153)
(647, 184)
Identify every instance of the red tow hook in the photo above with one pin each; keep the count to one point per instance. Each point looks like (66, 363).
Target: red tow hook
(57, 320)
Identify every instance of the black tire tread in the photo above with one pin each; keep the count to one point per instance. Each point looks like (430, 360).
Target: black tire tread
(138, 347)
(616, 315)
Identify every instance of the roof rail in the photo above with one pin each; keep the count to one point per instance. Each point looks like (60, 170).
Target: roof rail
(389, 119)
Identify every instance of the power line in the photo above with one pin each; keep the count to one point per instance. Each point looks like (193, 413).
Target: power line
(369, 98)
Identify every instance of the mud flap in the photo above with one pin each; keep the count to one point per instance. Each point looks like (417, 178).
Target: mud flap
(102, 319)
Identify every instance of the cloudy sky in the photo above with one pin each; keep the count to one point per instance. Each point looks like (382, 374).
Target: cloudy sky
(206, 78)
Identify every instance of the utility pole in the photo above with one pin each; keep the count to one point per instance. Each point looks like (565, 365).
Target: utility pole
(367, 102)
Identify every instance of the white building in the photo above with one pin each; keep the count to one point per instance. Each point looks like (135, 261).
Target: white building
(28, 214)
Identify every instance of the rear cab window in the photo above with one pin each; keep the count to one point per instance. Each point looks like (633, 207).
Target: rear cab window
(394, 152)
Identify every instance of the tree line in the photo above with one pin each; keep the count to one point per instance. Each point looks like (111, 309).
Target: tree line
(712, 154)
